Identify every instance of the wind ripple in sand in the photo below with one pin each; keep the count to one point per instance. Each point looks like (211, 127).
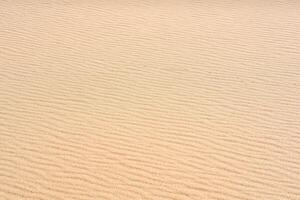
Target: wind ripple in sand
(149, 100)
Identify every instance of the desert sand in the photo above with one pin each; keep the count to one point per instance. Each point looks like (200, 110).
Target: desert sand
(149, 100)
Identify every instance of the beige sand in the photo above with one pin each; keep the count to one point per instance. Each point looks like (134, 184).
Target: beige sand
(137, 100)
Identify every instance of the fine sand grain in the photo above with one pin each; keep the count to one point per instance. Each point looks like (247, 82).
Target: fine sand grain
(147, 100)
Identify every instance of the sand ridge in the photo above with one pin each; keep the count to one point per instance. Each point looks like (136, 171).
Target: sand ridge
(150, 100)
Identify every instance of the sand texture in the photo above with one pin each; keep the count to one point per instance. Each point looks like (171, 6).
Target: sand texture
(149, 100)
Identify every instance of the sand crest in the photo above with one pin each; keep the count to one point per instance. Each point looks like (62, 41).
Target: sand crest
(145, 100)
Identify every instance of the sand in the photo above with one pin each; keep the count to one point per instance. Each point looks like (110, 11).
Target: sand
(141, 100)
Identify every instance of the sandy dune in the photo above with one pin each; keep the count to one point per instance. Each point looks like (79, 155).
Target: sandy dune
(145, 100)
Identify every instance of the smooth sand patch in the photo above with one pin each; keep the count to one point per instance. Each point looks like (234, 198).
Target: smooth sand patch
(150, 100)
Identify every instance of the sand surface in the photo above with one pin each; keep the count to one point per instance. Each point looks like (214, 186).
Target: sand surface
(142, 100)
